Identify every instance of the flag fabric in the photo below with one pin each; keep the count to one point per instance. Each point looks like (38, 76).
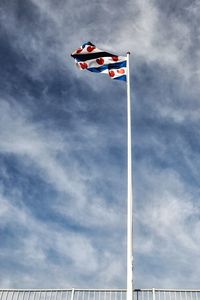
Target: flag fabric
(89, 57)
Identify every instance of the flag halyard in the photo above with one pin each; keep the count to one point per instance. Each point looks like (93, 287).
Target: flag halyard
(89, 57)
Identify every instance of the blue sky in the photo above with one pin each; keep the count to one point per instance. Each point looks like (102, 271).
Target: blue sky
(63, 145)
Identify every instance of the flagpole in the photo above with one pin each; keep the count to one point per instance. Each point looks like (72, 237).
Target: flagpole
(129, 192)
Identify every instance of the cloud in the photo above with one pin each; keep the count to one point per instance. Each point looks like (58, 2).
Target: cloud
(43, 153)
(63, 137)
(34, 244)
(35, 240)
(167, 228)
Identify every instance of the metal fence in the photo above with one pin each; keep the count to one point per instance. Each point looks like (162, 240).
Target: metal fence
(97, 294)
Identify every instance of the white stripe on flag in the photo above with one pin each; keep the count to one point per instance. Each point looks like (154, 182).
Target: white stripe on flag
(95, 63)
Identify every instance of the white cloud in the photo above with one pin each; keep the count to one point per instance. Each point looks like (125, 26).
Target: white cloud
(34, 239)
(167, 215)
(169, 221)
(41, 151)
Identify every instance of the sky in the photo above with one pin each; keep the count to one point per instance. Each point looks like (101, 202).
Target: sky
(63, 145)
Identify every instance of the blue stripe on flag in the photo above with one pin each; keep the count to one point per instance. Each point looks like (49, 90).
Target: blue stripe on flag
(98, 69)
(108, 67)
(123, 77)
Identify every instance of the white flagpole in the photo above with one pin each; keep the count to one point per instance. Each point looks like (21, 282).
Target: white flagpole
(129, 192)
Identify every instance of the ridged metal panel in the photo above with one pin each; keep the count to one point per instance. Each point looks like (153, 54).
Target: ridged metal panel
(98, 294)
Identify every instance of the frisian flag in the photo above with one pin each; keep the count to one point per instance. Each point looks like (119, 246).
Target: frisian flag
(89, 57)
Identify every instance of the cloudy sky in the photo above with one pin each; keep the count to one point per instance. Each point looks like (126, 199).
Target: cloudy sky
(63, 145)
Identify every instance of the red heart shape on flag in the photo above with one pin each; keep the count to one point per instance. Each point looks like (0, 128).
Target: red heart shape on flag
(83, 66)
(100, 61)
(115, 58)
(111, 73)
(90, 48)
(120, 71)
(78, 50)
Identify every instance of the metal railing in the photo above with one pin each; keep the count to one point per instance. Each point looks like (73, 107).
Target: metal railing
(98, 294)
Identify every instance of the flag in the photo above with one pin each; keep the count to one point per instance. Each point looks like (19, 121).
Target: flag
(89, 57)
